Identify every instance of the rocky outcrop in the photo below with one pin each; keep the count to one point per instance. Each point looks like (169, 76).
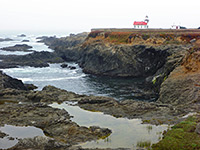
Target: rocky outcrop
(9, 82)
(124, 60)
(25, 41)
(36, 59)
(22, 35)
(40, 143)
(18, 47)
(6, 39)
(182, 85)
(64, 42)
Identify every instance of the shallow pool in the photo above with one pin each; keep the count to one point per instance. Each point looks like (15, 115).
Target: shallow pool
(126, 133)
(17, 132)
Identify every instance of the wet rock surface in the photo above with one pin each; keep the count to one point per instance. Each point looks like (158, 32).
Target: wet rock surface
(18, 47)
(9, 82)
(35, 59)
(22, 35)
(39, 143)
(2, 135)
(25, 41)
(150, 112)
(55, 123)
(122, 60)
(20, 107)
(6, 39)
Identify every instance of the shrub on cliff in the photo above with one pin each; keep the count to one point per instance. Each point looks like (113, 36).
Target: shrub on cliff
(118, 37)
(189, 36)
(94, 34)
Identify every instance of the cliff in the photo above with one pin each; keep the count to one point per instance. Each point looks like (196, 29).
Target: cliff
(139, 53)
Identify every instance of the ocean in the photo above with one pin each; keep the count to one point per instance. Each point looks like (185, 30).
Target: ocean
(65, 78)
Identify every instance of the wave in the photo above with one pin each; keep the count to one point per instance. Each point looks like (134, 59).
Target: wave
(50, 79)
(13, 53)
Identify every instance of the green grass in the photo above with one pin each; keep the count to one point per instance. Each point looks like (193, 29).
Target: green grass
(144, 144)
(149, 128)
(181, 137)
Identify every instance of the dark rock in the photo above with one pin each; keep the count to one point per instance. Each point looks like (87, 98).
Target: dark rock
(50, 93)
(2, 135)
(25, 41)
(39, 142)
(181, 86)
(42, 37)
(9, 82)
(6, 39)
(72, 67)
(22, 35)
(122, 60)
(18, 47)
(64, 65)
(30, 86)
(35, 59)
(11, 138)
(64, 42)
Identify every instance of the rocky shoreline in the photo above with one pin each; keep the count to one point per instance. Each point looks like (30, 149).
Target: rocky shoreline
(21, 107)
(169, 64)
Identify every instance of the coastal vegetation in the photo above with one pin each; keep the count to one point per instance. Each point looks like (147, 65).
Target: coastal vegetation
(149, 37)
(184, 135)
(167, 60)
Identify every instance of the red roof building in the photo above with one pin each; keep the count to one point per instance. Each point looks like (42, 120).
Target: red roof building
(141, 24)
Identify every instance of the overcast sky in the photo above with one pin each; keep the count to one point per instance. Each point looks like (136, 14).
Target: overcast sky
(82, 15)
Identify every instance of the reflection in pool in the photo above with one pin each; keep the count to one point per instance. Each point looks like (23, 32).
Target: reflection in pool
(125, 132)
(15, 133)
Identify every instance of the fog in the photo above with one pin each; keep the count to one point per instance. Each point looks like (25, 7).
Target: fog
(82, 15)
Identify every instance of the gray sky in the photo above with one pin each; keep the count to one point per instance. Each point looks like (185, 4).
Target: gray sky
(82, 15)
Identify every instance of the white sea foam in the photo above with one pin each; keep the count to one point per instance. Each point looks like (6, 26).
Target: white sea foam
(13, 53)
(18, 40)
(50, 79)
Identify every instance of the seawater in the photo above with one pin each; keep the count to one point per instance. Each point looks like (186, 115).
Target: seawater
(75, 81)
(37, 46)
(64, 78)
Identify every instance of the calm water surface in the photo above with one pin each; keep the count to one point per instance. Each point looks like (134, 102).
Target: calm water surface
(17, 132)
(125, 132)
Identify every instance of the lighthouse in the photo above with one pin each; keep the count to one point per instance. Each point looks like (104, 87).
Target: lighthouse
(141, 24)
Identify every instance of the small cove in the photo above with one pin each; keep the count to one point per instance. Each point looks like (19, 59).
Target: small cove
(77, 81)
(125, 132)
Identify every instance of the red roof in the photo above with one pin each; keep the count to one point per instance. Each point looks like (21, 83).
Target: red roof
(139, 23)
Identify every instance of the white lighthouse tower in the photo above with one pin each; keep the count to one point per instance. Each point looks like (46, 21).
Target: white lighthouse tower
(146, 20)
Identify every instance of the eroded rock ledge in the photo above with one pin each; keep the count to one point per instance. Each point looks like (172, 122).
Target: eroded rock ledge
(22, 107)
